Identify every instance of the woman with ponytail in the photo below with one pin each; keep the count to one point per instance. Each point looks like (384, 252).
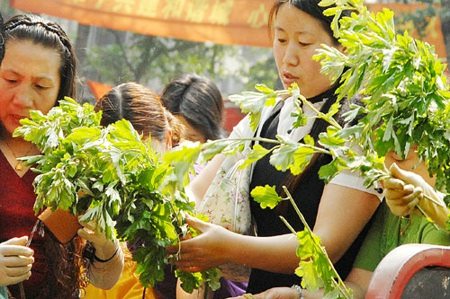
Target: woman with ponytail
(144, 110)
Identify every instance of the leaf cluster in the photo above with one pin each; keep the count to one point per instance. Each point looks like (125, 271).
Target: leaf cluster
(112, 177)
(315, 267)
(405, 95)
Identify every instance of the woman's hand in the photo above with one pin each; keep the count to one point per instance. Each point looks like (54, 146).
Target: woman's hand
(403, 190)
(104, 248)
(16, 261)
(406, 190)
(205, 251)
(108, 259)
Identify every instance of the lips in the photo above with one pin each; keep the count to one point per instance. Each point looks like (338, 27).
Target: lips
(288, 79)
(16, 118)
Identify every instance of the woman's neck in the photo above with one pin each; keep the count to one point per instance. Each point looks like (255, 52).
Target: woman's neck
(18, 146)
(330, 92)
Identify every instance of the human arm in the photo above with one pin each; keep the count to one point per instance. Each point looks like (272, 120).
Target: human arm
(216, 245)
(107, 265)
(405, 190)
(200, 184)
(16, 260)
(343, 213)
(273, 293)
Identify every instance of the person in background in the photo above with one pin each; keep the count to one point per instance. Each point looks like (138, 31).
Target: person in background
(38, 69)
(143, 109)
(387, 232)
(337, 211)
(197, 103)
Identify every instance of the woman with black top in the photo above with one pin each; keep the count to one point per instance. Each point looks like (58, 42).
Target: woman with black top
(337, 211)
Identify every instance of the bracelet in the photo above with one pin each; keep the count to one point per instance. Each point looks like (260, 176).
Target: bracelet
(299, 291)
(108, 259)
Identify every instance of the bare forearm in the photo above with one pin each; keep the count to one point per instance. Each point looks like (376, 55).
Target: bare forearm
(200, 184)
(104, 275)
(274, 254)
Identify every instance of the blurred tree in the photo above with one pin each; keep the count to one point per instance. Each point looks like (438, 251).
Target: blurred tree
(445, 21)
(421, 18)
(6, 10)
(118, 57)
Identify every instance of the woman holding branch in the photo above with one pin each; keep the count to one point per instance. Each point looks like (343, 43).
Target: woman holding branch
(338, 211)
(39, 69)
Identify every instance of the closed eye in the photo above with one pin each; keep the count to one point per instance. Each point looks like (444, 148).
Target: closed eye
(41, 87)
(10, 80)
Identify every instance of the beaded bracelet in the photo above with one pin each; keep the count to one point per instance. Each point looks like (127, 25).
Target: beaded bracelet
(108, 259)
(299, 291)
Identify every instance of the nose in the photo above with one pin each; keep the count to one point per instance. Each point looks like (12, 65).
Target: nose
(23, 96)
(291, 56)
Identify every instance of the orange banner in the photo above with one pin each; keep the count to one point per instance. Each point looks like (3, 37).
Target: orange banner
(98, 89)
(242, 22)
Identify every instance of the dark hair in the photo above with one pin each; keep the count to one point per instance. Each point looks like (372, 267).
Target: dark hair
(50, 35)
(310, 7)
(142, 107)
(2, 39)
(199, 101)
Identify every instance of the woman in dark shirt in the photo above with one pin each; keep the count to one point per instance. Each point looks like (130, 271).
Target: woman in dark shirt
(338, 211)
(38, 69)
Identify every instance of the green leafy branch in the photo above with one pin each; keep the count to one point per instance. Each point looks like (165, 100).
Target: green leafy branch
(401, 80)
(315, 267)
(112, 177)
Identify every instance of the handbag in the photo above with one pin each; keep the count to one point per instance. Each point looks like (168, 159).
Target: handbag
(226, 203)
(227, 200)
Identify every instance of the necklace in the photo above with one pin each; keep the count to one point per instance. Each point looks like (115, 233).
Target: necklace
(19, 165)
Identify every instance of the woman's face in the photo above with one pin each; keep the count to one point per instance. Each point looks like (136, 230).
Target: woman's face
(297, 36)
(29, 80)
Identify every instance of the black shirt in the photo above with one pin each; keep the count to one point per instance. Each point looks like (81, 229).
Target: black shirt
(306, 195)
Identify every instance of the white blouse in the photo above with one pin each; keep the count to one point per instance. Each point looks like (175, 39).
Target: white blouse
(345, 178)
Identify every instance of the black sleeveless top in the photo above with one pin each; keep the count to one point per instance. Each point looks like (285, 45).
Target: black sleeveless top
(306, 195)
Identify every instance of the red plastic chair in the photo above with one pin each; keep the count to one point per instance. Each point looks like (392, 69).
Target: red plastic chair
(412, 271)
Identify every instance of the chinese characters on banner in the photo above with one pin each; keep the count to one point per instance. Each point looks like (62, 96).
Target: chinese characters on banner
(241, 22)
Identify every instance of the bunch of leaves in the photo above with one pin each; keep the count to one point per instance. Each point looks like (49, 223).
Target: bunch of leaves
(315, 267)
(112, 177)
(405, 95)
